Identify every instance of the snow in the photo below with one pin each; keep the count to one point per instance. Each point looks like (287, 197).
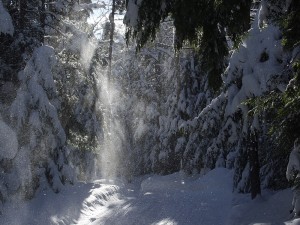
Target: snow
(293, 175)
(8, 142)
(89, 6)
(256, 64)
(6, 25)
(271, 209)
(262, 13)
(131, 16)
(174, 199)
(23, 168)
(37, 88)
(73, 204)
(293, 167)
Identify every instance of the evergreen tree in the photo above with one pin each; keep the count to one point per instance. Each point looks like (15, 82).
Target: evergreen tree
(35, 114)
(48, 96)
(284, 104)
(203, 24)
(79, 56)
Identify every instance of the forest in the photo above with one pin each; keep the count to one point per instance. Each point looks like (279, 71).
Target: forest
(127, 90)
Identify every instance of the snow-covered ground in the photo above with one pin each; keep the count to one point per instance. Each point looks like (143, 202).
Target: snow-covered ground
(154, 200)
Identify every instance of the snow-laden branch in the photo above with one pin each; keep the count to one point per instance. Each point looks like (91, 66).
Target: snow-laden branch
(6, 25)
(293, 168)
(89, 7)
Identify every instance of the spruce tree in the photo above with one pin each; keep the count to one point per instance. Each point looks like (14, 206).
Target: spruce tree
(203, 24)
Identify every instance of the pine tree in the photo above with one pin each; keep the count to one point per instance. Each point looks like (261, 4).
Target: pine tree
(285, 126)
(79, 57)
(201, 23)
(36, 117)
(41, 93)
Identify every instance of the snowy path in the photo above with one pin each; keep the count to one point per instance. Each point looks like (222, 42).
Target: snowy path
(156, 200)
(171, 200)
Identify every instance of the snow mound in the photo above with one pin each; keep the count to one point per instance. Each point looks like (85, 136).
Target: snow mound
(73, 205)
(157, 183)
(273, 208)
(293, 167)
(217, 179)
(8, 141)
(174, 199)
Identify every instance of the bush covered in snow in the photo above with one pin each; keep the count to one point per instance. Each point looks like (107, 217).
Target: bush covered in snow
(293, 175)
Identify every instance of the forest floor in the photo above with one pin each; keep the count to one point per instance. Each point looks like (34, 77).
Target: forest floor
(153, 200)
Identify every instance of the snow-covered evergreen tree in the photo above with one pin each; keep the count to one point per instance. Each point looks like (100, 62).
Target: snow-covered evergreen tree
(42, 88)
(203, 130)
(292, 174)
(6, 24)
(40, 133)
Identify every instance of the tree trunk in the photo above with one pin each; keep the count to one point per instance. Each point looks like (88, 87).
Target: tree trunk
(42, 20)
(22, 13)
(254, 163)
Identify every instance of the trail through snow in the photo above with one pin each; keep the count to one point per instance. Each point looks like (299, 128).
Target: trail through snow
(154, 200)
(174, 200)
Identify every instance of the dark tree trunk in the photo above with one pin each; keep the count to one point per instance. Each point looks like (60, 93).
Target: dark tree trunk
(252, 147)
(43, 20)
(22, 13)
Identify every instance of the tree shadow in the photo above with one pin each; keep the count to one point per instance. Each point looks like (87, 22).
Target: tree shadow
(48, 208)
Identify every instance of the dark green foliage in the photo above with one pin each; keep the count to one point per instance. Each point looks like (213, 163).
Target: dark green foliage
(283, 108)
(150, 17)
(291, 26)
(189, 18)
(203, 24)
(213, 51)
(235, 16)
(28, 34)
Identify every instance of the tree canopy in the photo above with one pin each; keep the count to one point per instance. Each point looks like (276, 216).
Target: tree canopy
(207, 25)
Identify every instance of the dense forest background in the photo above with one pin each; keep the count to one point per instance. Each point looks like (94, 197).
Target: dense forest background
(192, 86)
